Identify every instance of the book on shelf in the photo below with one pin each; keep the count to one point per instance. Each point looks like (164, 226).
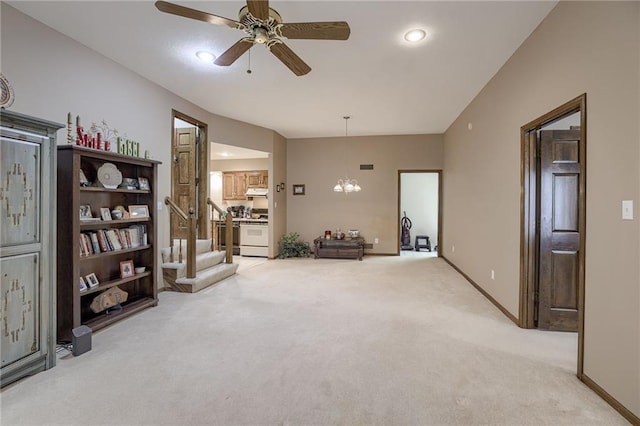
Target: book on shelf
(101, 240)
(94, 242)
(113, 238)
(134, 235)
(85, 245)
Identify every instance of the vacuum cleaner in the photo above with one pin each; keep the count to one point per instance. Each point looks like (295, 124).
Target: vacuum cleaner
(405, 237)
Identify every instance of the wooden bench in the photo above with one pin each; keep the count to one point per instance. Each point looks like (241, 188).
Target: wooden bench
(348, 248)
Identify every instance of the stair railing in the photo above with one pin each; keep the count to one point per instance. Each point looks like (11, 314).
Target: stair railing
(228, 230)
(191, 235)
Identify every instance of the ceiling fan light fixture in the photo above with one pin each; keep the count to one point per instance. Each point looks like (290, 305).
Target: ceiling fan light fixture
(415, 35)
(205, 56)
(261, 35)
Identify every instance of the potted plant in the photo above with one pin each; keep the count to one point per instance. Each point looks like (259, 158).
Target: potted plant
(290, 246)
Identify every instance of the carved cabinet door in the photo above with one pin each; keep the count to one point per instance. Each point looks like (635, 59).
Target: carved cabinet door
(27, 245)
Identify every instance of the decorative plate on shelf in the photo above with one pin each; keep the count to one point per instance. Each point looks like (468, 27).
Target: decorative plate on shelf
(6, 98)
(109, 176)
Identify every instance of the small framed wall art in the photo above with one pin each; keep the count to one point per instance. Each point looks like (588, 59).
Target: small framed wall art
(298, 189)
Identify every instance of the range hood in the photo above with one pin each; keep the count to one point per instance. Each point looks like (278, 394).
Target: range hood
(256, 192)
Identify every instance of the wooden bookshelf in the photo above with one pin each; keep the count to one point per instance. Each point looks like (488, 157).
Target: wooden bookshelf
(72, 304)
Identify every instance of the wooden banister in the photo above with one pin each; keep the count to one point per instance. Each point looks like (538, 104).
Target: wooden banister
(175, 208)
(228, 229)
(191, 236)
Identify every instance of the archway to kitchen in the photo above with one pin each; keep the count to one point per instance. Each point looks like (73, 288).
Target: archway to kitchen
(238, 183)
(420, 197)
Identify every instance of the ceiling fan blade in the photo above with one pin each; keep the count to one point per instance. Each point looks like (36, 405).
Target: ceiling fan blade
(259, 9)
(234, 52)
(338, 30)
(290, 59)
(187, 12)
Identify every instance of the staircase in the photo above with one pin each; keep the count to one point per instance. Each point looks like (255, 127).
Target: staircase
(210, 267)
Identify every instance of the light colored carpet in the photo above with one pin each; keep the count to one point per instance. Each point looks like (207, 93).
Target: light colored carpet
(390, 340)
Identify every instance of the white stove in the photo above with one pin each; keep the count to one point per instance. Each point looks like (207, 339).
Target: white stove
(254, 237)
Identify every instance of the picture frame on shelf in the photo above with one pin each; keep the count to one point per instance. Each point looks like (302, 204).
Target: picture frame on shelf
(83, 285)
(85, 213)
(298, 189)
(105, 213)
(143, 184)
(126, 269)
(138, 211)
(92, 280)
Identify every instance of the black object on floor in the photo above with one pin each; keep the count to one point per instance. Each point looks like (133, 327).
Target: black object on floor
(81, 340)
(422, 242)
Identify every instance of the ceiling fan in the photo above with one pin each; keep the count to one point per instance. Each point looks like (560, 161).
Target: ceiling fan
(264, 25)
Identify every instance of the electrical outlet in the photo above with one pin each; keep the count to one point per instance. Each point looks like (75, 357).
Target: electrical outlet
(453, 249)
(376, 241)
(493, 274)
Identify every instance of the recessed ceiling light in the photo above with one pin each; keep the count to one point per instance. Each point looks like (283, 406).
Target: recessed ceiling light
(415, 35)
(205, 56)
(225, 154)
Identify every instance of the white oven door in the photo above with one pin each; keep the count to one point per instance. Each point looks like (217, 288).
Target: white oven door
(254, 240)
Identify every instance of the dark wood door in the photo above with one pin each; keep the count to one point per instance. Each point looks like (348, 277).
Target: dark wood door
(184, 177)
(560, 201)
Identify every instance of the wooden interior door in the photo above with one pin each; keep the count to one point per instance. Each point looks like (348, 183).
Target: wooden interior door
(184, 177)
(560, 240)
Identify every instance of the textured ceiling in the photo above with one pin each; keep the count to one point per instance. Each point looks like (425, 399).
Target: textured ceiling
(386, 85)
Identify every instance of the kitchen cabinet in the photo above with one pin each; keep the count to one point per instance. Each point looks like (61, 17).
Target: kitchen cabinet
(234, 185)
(257, 179)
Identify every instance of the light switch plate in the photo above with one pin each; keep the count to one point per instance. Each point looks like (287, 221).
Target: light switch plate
(627, 209)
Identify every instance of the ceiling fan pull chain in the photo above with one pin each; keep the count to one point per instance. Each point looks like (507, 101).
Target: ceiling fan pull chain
(249, 69)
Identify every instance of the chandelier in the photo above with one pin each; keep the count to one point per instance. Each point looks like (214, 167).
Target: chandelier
(347, 185)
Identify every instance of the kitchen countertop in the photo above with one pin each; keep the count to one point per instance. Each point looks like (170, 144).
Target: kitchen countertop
(243, 220)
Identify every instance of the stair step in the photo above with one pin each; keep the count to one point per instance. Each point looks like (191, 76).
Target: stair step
(207, 277)
(202, 246)
(203, 261)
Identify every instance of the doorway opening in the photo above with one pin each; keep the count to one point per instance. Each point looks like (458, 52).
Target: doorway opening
(553, 221)
(189, 183)
(419, 207)
(233, 171)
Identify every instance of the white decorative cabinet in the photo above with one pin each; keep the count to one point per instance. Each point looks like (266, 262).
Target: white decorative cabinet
(27, 245)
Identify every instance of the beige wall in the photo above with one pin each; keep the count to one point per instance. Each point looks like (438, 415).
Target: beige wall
(319, 162)
(580, 47)
(277, 200)
(52, 74)
(240, 165)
